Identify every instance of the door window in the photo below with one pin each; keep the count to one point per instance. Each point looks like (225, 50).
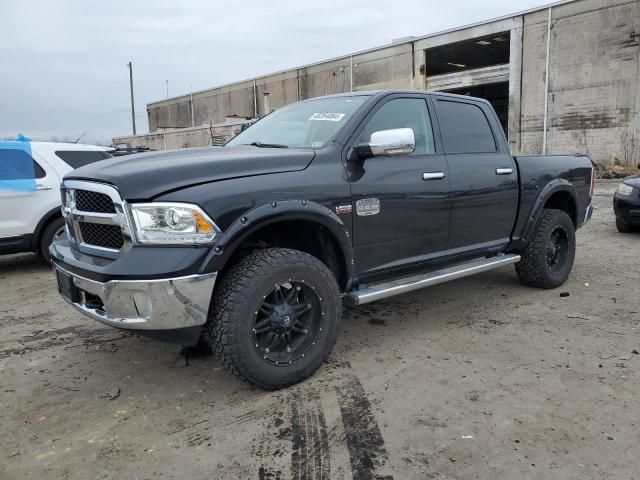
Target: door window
(18, 171)
(465, 128)
(18, 165)
(403, 113)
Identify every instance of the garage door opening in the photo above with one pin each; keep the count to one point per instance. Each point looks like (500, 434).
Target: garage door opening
(497, 94)
(477, 67)
(470, 54)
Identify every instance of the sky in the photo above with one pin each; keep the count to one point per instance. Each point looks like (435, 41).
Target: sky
(63, 64)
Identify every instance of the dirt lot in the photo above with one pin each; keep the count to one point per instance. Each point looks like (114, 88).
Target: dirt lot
(481, 378)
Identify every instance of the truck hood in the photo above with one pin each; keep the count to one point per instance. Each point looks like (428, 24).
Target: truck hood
(146, 175)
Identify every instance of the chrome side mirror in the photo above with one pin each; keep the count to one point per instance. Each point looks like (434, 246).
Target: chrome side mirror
(389, 143)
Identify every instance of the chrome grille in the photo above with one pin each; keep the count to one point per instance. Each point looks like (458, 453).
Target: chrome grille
(88, 201)
(95, 217)
(105, 236)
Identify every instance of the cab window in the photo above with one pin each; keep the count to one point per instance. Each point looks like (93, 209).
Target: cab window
(403, 113)
(465, 128)
(17, 164)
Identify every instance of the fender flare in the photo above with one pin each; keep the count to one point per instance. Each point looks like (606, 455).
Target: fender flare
(263, 215)
(554, 186)
(46, 218)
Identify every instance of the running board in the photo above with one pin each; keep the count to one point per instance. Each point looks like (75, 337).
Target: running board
(415, 282)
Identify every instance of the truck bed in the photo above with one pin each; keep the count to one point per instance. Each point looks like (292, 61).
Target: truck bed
(539, 176)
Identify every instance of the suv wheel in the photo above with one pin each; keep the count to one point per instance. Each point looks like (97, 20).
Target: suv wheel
(49, 234)
(547, 259)
(274, 317)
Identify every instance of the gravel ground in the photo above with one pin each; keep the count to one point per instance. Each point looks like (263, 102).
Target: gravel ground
(479, 378)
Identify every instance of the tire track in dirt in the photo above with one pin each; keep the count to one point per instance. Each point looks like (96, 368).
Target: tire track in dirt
(310, 458)
(367, 451)
(296, 438)
(300, 428)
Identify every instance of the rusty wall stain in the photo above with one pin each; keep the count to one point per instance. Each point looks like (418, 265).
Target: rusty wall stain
(592, 120)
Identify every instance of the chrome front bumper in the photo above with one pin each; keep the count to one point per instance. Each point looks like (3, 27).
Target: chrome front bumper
(163, 304)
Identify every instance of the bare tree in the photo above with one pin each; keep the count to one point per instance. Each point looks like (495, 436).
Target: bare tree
(630, 142)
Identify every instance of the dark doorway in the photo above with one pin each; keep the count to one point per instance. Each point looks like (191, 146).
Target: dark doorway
(468, 54)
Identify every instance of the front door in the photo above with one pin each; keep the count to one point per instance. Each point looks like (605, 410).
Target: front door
(400, 204)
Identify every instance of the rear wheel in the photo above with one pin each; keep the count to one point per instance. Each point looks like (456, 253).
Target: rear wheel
(274, 317)
(622, 226)
(547, 259)
(53, 230)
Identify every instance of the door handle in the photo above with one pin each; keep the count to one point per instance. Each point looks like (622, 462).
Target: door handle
(433, 175)
(504, 171)
(40, 186)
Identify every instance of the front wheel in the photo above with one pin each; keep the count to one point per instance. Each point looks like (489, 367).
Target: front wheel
(52, 231)
(274, 317)
(547, 259)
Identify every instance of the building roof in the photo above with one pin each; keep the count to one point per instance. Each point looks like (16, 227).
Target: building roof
(401, 41)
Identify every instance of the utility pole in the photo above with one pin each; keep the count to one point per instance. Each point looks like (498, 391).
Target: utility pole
(193, 113)
(133, 109)
(166, 84)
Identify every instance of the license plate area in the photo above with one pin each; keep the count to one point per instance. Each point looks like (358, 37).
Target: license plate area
(67, 288)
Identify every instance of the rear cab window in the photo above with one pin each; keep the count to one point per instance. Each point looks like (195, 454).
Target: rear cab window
(80, 158)
(465, 128)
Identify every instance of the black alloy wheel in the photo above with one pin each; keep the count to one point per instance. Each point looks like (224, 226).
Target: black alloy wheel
(557, 249)
(288, 322)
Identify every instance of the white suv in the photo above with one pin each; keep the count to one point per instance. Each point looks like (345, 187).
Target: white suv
(30, 175)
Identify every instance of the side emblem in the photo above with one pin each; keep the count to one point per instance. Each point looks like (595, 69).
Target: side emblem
(367, 207)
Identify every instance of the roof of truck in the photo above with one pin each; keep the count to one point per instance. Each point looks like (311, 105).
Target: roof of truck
(373, 93)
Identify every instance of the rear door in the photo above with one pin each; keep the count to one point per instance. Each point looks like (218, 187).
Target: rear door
(29, 188)
(482, 172)
(400, 204)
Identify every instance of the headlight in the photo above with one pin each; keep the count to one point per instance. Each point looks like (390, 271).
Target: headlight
(624, 189)
(172, 223)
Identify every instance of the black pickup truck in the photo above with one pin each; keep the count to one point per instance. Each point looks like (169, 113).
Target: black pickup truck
(255, 246)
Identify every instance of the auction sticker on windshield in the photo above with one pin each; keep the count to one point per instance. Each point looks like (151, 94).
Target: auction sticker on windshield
(330, 117)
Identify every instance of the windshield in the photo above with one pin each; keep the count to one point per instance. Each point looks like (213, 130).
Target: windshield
(309, 124)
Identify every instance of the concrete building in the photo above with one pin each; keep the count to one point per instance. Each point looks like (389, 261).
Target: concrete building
(165, 138)
(563, 79)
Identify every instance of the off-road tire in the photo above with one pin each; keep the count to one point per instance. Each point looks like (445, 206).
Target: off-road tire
(622, 226)
(533, 269)
(47, 237)
(237, 298)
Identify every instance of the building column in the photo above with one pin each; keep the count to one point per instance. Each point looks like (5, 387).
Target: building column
(515, 89)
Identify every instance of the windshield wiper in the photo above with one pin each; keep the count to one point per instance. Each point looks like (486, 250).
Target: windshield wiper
(268, 145)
